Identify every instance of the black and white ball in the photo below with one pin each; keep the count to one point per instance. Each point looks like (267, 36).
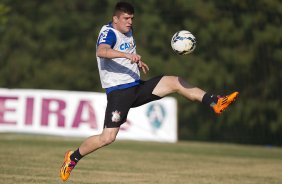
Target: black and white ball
(183, 42)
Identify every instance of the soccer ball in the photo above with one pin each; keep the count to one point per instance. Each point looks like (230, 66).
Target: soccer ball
(183, 42)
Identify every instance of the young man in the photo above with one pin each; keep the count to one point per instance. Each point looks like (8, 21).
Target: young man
(119, 66)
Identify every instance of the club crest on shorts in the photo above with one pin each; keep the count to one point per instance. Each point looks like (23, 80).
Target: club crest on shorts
(115, 116)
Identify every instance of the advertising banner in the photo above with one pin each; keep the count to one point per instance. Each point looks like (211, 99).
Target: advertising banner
(81, 114)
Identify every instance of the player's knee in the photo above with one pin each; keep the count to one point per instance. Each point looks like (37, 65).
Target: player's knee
(106, 140)
(176, 82)
(169, 84)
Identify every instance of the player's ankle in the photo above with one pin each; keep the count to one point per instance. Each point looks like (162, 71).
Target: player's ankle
(76, 156)
(209, 99)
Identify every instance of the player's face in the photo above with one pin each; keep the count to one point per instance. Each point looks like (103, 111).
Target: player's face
(123, 22)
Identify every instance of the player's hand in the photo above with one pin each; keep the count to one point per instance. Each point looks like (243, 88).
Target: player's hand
(144, 66)
(134, 58)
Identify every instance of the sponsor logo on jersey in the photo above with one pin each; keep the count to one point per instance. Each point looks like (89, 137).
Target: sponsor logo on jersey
(103, 36)
(127, 45)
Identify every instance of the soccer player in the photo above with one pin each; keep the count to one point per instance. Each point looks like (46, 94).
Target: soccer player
(119, 66)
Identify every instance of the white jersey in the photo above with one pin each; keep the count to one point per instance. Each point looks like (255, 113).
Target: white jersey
(117, 71)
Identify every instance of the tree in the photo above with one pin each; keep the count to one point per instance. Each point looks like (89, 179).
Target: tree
(51, 44)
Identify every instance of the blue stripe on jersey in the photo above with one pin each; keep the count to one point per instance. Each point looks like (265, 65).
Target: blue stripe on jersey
(123, 86)
(107, 37)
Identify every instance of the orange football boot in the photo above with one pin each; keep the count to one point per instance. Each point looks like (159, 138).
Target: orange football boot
(224, 102)
(67, 166)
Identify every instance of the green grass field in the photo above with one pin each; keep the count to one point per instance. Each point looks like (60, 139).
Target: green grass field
(32, 159)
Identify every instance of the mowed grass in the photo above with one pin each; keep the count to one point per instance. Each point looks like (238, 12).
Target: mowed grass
(32, 159)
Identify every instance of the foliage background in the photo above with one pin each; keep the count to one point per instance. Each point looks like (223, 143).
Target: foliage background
(50, 44)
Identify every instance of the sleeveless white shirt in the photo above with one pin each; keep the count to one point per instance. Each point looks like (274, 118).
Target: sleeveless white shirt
(117, 71)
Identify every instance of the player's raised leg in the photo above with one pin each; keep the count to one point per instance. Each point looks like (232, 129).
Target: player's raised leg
(89, 145)
(171, 84)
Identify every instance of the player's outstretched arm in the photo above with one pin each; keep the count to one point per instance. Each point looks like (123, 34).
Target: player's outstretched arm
(105, 51)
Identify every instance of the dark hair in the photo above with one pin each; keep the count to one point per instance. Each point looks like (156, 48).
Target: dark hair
(123, 7)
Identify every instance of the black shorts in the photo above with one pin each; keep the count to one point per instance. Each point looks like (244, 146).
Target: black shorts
(120, 101)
